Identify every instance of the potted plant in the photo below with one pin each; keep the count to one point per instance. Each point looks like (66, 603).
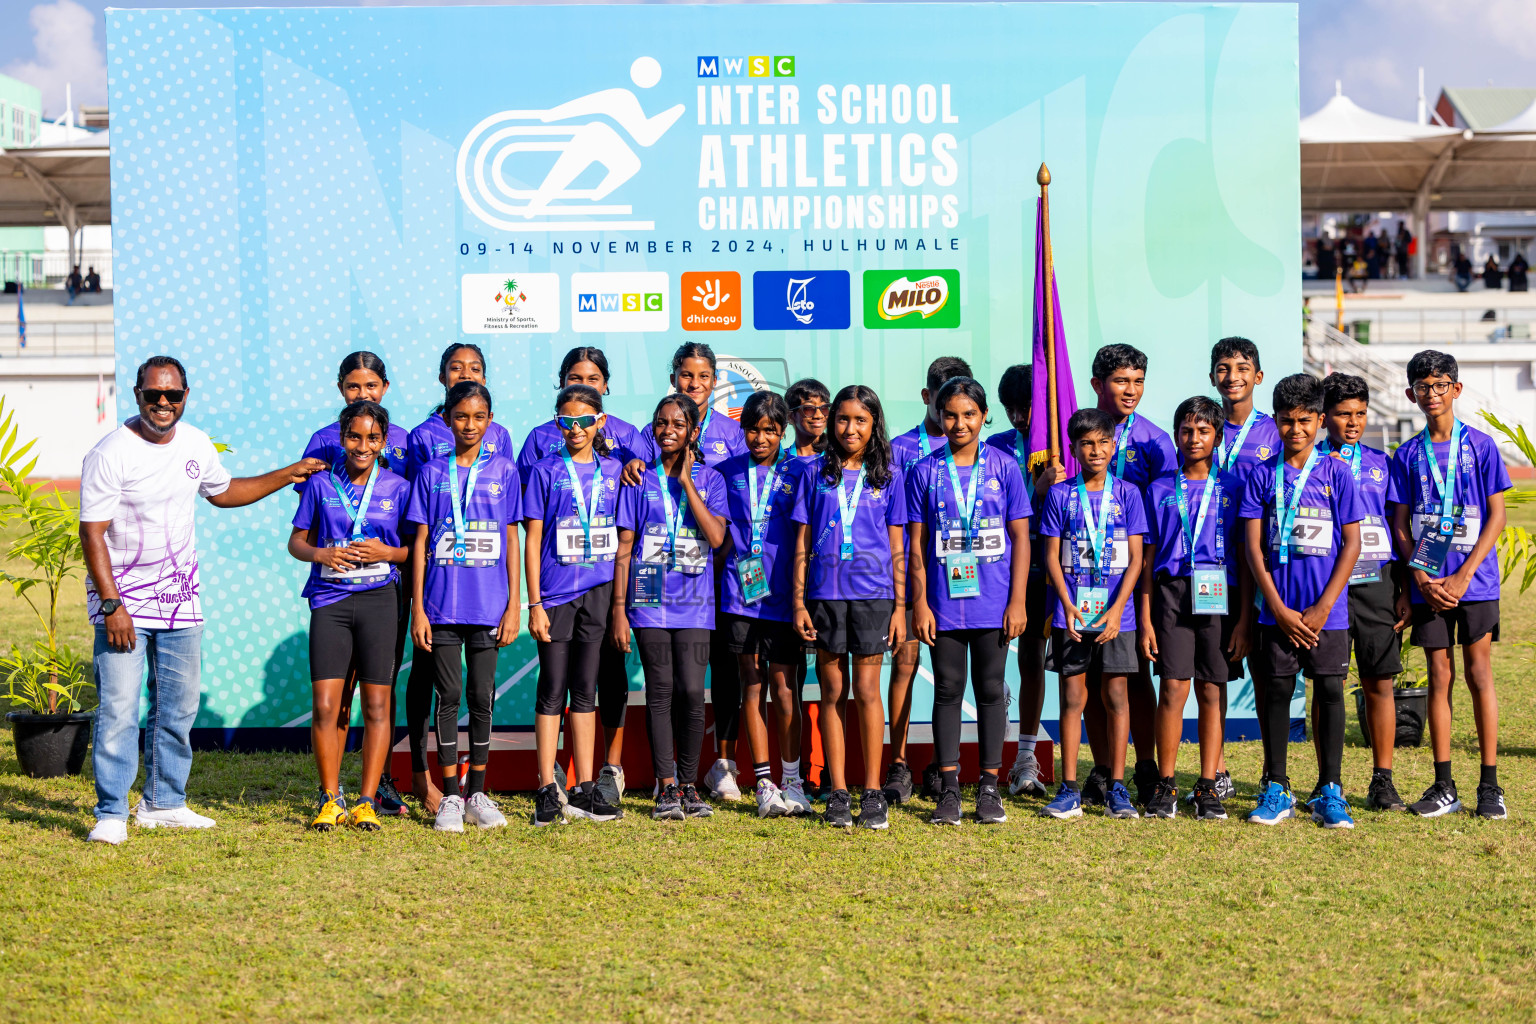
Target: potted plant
(1410, 694)
(47, 682)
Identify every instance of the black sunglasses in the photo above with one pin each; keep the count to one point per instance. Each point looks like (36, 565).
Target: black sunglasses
(152, 396)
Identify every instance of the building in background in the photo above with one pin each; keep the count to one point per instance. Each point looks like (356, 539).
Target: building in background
(1481, 109)
(21, 113)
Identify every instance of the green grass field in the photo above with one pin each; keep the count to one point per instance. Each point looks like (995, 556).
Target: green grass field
(735, 919)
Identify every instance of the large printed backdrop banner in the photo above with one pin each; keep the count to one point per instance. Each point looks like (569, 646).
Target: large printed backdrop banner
(841, 191)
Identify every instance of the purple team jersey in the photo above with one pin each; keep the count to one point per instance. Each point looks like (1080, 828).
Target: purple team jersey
(778, 541)
(325, 445)
(1371, 487)
(320, 505)
(867, 575)
(1479, 472)
(1065, 519)
(1261, 445)
(545, 440)
(432, 440)
(719, 440)
(476, 592)
(547, 497)
(1000, 499)
(915, 444)
(1165, 528)
(1328, 502)
(687, 598)
(1149, 452)
(1007, 441)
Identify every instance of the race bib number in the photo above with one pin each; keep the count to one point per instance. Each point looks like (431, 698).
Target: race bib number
(571, 541)
(371, 572)
(482, 545)
(990, 544)
(1077, 553)
(1311, 533)
(1467, 527)
(1375, 549)
(688, 555)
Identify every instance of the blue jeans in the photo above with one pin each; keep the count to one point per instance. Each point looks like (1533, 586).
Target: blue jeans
(174, 659)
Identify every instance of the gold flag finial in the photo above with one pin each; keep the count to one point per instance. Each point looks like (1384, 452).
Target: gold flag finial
(1044, 177)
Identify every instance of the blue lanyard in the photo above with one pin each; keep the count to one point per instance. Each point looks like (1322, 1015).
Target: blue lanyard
(848, 507)
(359, 513)
(1348, 452)
(928, 444)
(588, 512)
(1098, 532)
(1446, 483)
(971, 508)
(673, 520)
(1229, 451)
(1285, 511)
(760, 506)
(1122, 444)
(1192, 536)
(459, 550)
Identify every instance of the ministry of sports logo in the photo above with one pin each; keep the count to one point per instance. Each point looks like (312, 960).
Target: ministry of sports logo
(581, 135)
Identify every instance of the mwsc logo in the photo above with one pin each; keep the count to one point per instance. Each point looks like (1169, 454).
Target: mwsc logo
(746, 67)
(634, 301)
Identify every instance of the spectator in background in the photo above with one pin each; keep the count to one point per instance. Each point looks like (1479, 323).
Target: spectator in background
(1519, 271)
(73, 283)
(1461, 268)
(92, 280)
(1372, 254)
(1402, 249)
(1327, 261)
(1493, 277)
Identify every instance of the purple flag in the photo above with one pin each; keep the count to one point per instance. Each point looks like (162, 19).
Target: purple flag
(1066, 397)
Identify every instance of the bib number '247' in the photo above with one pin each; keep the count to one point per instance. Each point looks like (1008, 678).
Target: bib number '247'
(1311, 533)
(482, 544)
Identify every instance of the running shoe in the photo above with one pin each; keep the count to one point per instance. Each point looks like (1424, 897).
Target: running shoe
(874, 813)
(1068, 804)
(1440, 798)
(669, 804)
(1316, 794)
(363, 815)
(1330, 809)
(589, 801)
(1096, 786)
(1145, 778)
(839, 813)
(482, 812)
(656, 786)
(546, 807)
(331, 813)
(1208, 806)
(693, 804)
(989, 805)
(560, 782)
(610, 782)
(932, 781)
(1490, 802)
(795, 799)
(1225, 787)
(388, 800)
(948, 810)
(1275, 805)
(146, 816)
(770, 801)
(1164, 802)
(1117, 802)
(450, 814)
(898, 783)
(1382, 795)
(720, 781)
(1024, 776)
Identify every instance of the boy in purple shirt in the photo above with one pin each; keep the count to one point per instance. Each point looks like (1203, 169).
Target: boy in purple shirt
(1301, 516)
(1093, 526)
(1448, 487)
(968, 557)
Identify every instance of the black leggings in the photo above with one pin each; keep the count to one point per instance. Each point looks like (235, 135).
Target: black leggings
(1328, 695)
(612, 686)
(674, 661)
(568, 666)
(449, 687)
(724, 686)
(418, 705)
(988, 662)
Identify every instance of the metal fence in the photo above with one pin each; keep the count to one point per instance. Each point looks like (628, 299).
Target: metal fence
(51, 269)
(57, 339)
(1434, 326)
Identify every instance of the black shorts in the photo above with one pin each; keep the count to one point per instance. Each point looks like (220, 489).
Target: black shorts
(1372, 614)
(1070, 657)
(359, 630)
(1188, 646)
(777, 641)
(852, 627)
(1236, 669)
(1466, 623)
(584, 620)
(1276, 656)
(1037, 607)
(476, 637)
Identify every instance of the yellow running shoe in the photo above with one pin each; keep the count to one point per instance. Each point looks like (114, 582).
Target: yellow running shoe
(363, 815)
(331, 814)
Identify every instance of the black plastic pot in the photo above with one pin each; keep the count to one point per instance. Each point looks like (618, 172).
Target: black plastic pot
(1412, 715)
(48, 746)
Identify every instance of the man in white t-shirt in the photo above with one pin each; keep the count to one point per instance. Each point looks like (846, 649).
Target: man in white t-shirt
(137, 499)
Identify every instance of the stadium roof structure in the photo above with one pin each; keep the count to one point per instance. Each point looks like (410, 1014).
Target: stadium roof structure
(1356, 160)
(65, 183)
(1482, 109)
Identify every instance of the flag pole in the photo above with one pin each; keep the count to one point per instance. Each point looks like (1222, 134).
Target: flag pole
(1043, 178)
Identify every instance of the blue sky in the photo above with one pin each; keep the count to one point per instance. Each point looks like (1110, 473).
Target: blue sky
(1374, 46)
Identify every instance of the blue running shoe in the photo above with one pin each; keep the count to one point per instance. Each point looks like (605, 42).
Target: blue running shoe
(1117, 802)
(1068, 804)
(1275, 805)
(1329, 809)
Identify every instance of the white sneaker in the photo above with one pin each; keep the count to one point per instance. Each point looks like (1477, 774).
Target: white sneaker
(794, 797)
(721, 781)
(1024, 776)
(481, 811)
(180, 817)
(109, 830)
(770, 801)
(450, 814)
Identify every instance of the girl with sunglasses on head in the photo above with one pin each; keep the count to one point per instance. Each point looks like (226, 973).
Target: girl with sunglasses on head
(570, 543)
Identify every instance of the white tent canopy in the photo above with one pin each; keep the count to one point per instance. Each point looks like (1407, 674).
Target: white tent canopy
(68, 183)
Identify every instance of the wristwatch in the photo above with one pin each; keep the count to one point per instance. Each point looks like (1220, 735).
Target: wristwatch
(110, 605)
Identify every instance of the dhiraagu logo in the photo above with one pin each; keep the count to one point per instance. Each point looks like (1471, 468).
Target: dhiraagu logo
(911, 299)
